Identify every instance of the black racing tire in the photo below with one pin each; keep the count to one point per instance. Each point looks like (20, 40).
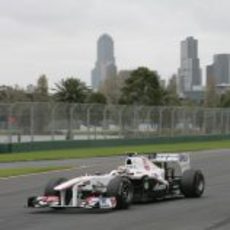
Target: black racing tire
(49, 189)
(192, 183)
(122, 189)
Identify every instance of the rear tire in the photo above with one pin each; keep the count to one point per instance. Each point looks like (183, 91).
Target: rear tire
(122, 189)
(49, 189)
(192, 183)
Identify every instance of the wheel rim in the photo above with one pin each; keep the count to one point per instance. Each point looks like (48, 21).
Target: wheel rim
(200, 185)
(126, 192)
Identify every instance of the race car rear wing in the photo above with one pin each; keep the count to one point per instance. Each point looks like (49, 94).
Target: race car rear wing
(181, 159)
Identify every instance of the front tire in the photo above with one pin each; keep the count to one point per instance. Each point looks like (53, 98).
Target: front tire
(192, 183)
(122, 189)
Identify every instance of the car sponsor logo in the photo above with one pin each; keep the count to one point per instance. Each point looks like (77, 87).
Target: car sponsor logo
(183, 157)
(146, 164)
(159, 187)
(107, 202)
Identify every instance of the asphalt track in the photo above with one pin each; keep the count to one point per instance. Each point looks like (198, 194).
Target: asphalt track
(210, 212)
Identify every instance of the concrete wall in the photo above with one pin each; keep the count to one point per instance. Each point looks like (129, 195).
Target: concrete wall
(55, 145)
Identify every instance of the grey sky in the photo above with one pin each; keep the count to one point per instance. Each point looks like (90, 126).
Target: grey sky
(58, 37)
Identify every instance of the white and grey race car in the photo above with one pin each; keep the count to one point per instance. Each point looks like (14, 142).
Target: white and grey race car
(140, 179)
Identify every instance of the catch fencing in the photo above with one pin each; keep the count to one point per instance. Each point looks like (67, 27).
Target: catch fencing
(31, 122)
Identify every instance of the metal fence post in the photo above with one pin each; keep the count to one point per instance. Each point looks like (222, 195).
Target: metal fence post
(104, 122)
(221, 121)
(184, 122)
(160, 121)
(172, 121)
(194, 123)
(214, 121)
(32, 121)
(150, 109)
(9, 128)
(70, 135)
(204, 121)
(95, 126)
(88, 121)
(137, 120)
(227, 122)
(53, 122)
(120, 114)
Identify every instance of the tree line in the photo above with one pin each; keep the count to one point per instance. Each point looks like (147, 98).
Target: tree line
(141, 87)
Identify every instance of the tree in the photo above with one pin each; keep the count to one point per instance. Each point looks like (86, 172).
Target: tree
(142, 88)
(225, 100)
(12, 94)
(96, 98)
(71, 90)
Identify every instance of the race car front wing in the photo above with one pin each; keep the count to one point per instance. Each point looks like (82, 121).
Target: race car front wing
(88, 203)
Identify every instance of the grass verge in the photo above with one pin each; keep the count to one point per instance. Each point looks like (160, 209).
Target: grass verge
(24, 171)
(109, 151)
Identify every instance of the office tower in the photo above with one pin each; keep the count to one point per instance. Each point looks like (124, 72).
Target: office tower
(189, 73)
(218, 73)
(221, 68)
(105, 65)
(210, 78)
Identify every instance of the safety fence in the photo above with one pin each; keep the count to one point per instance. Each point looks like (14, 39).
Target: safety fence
(32, 122)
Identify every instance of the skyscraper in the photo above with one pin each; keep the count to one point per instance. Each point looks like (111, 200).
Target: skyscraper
(221, 68)
(105, 65)
(219, 72)
(189, 73)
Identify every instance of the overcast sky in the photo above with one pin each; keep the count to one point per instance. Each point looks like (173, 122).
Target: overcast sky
(58, 37)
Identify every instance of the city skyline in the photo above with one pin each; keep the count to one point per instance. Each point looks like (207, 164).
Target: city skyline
(60, 43)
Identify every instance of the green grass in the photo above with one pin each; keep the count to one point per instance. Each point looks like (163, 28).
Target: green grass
(109, 151)
(23, 171)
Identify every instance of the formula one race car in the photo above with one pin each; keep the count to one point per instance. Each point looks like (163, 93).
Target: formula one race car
(140, 179)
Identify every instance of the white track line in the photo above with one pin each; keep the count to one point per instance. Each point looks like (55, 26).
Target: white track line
(48, 172)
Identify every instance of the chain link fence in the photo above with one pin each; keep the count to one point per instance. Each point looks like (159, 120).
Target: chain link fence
(30, 122)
